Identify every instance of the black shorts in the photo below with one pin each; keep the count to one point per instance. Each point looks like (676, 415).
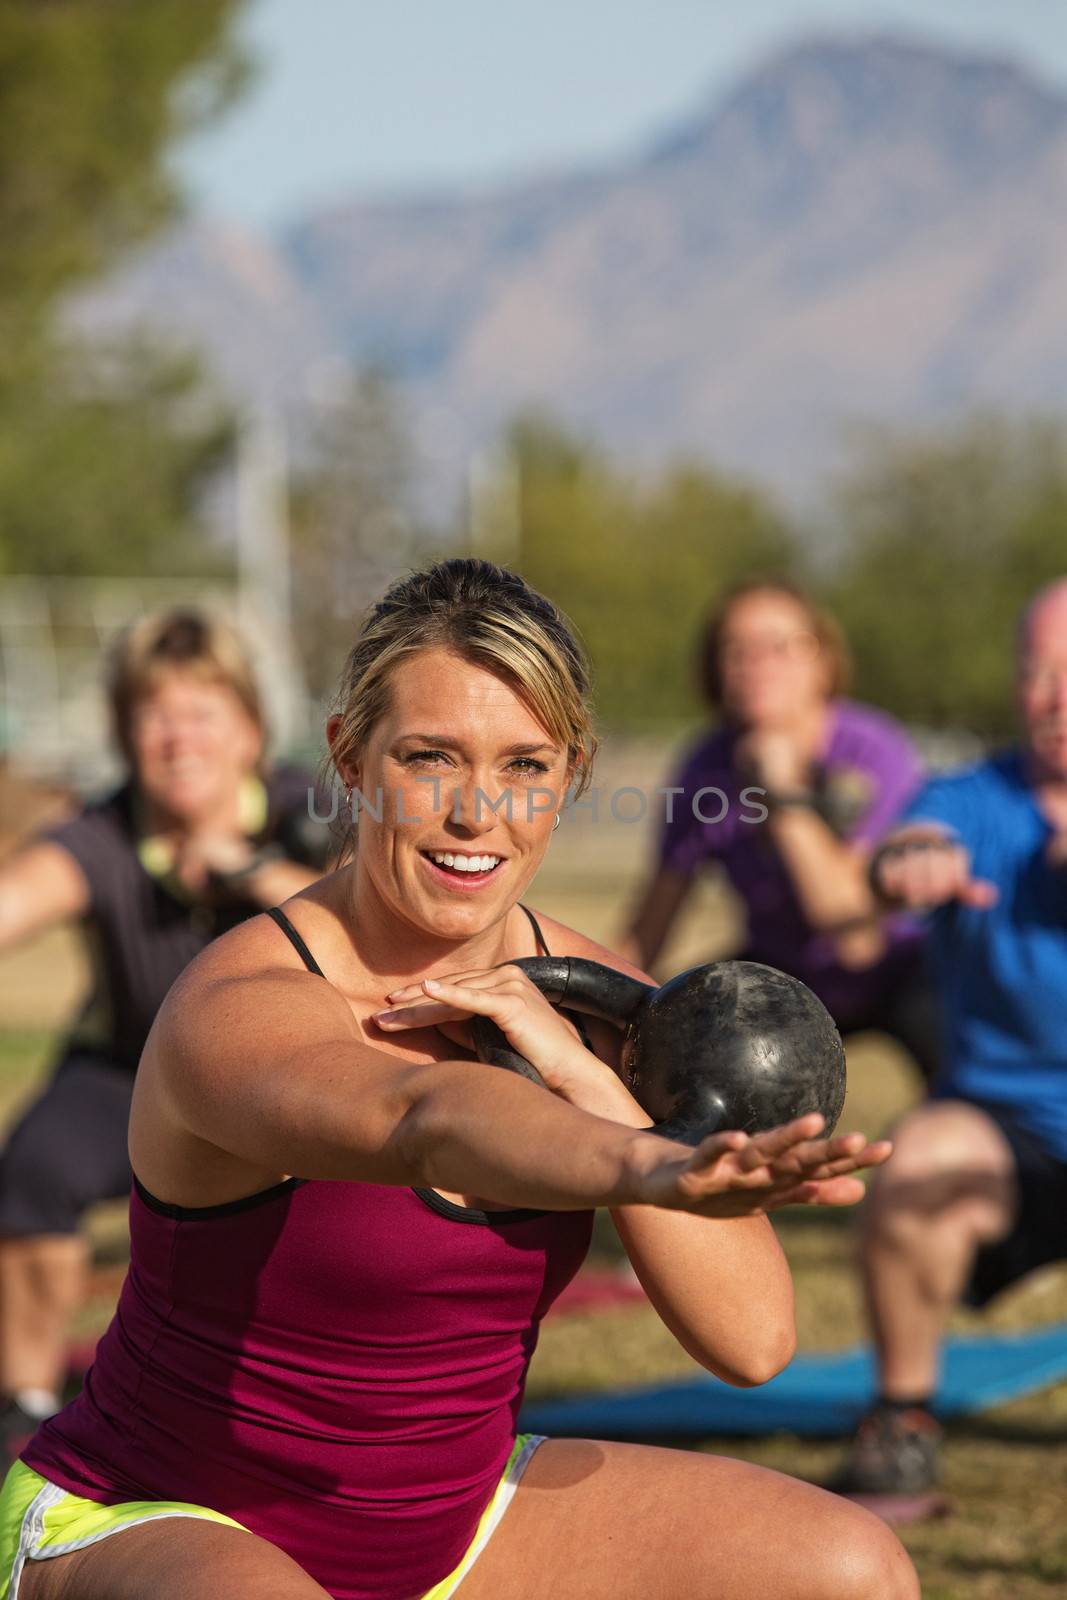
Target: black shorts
(1039, 1235)
(68, 1150)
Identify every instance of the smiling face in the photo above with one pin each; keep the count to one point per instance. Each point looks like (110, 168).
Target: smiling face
(465, 769)
(1042, 681)
(771, 666)
(192, 742)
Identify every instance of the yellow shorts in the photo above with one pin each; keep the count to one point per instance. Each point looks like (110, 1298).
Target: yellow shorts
(38, 1519)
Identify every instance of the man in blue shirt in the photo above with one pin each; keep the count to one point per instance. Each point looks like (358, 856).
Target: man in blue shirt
(975, 1194)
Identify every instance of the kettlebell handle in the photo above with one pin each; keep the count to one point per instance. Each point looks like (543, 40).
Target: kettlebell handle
(583, 985)
(587, 986)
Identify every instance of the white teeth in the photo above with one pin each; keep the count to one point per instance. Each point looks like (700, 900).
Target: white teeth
(445, 858)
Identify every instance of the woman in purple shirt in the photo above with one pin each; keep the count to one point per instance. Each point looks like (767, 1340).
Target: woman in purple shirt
(789, 795)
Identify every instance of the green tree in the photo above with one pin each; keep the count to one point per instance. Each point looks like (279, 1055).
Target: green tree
(637, 563)
(101, 472)
(93, 96)
(103, 451)
(944, 537)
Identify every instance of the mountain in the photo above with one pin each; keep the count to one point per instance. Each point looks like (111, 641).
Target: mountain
(865, 228)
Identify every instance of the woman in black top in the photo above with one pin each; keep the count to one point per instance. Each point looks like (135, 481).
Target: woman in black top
(201, 834)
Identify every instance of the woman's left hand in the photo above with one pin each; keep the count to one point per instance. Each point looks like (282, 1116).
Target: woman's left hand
(530, 1024)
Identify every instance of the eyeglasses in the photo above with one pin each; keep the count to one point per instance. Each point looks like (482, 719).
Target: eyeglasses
(787, 648)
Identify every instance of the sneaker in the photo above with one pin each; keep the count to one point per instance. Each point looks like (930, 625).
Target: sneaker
(893, 1453)
(17, 1428)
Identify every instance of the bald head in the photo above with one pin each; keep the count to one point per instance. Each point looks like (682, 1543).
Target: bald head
(1044, 621)
(1043, 679)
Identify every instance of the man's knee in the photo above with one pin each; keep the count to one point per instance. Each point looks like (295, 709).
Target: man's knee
(941, 1153)
(948, 1188)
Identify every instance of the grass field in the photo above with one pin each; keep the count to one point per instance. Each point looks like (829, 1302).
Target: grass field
(1007, 1470)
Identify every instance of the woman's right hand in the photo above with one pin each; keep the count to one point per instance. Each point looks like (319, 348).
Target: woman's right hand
(740, 1175)
(531, 1024)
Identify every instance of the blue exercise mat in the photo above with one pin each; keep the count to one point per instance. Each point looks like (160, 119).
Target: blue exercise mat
(815, 1395)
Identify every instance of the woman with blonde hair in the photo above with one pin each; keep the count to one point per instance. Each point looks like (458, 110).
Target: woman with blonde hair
(346, 1230)
(201, 833)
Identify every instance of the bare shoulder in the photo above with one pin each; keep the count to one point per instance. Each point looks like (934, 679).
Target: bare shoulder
(253, 949)
(565, 941)
(217, 1072)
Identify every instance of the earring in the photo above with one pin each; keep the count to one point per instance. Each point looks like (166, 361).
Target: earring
(555, 825)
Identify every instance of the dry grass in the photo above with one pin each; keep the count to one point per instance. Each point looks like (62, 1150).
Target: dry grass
(1006, 1470)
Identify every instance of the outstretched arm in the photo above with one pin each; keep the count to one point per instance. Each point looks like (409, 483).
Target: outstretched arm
(922, 865)
(40, 885)
(722, 1286)
(270, 1069)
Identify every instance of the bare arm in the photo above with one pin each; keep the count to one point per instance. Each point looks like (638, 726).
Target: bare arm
(722, 1286)
(828, 874)
(654, 916)
(270, 1070)
(42, 884)
(829, 877)
(263, 876)
(922, 865)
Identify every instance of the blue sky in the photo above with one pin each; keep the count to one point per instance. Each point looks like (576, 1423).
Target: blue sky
(355, 97)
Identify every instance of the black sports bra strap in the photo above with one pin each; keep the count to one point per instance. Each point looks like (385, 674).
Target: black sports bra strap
(575, 1016)
(536, 926)
(277, 915)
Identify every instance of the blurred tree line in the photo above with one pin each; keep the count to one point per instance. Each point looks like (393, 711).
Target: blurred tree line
(931, 545)
(634, 563)
(944, 535)
(105, 449)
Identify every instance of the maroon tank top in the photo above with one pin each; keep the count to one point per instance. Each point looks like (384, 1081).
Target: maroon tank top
(339, 1366)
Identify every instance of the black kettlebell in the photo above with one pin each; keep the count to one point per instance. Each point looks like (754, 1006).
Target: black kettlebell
(733, 1044)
